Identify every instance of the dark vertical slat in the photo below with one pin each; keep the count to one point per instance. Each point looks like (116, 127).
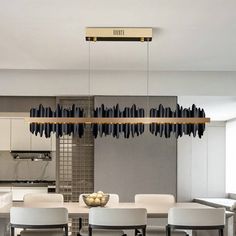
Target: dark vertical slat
(168, 230)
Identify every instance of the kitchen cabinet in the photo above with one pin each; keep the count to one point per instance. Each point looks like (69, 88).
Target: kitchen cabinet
(5, 138)
(54, 140)
(15, 135)
(40, 143)
(20, 135)
(22, 139)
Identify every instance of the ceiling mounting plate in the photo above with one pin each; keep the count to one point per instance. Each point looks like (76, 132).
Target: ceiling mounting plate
(118, 34)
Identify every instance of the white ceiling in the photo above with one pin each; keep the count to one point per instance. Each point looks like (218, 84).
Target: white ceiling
(49, 34)
(188, 35)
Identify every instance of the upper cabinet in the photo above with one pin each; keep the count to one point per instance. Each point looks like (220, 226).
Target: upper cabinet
(20, 135)
(22, 139)
(54, 141)
(5, 138)
(40, 143)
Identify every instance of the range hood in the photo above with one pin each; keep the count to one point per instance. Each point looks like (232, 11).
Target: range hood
(32, 155)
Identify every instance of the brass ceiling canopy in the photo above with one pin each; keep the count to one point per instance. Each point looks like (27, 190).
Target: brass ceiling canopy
(118, 34)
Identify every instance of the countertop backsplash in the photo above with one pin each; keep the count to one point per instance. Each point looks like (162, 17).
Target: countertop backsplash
(11, 169)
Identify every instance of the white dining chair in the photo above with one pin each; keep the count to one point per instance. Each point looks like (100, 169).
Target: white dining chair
(34, 199)
(196, 219)
(113, 200)
(41, 221)
(117, 219)
(157, 200)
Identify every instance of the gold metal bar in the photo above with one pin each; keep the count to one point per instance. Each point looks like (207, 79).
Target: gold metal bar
(119, 120)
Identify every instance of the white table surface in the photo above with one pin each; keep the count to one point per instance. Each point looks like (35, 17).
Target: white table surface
(76, 210)
(229, 204)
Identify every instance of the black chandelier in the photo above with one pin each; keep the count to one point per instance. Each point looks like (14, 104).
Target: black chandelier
(116, 129)
(113, 121)
(178, 129)
(72, 121)
(59, 129)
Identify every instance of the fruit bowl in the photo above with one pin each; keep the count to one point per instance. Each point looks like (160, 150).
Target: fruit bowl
(96, 199)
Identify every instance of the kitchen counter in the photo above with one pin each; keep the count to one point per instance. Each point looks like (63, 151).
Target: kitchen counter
(19, 188)
(26, 183)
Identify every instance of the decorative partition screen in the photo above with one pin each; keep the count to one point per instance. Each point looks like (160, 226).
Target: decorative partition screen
(75, 159)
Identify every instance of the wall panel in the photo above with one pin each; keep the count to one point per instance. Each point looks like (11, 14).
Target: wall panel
(201, 164)
(144, 164)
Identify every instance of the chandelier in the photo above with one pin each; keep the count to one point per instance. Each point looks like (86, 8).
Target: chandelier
(127, 122)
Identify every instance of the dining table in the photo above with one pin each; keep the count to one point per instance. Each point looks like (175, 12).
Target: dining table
(76, 210)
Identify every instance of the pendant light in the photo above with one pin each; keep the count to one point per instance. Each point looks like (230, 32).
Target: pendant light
(113, 121)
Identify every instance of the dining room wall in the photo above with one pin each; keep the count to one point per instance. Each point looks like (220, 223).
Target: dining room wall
(230, 156)
(144, 164)
(201, 164)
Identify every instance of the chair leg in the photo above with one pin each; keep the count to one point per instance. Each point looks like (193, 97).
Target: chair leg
(80, 223)
(168, 231)
(221, 232)
(144, 232)
(80, 227)
(12, 231)
(66, 230)
(90, 231)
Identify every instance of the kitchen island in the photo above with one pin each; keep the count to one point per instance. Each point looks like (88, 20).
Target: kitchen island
(19, 188)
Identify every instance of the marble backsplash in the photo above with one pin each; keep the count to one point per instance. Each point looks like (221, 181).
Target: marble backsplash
(11, 169)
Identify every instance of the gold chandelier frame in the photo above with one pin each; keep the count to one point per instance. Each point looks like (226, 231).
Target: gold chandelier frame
(118, 120)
